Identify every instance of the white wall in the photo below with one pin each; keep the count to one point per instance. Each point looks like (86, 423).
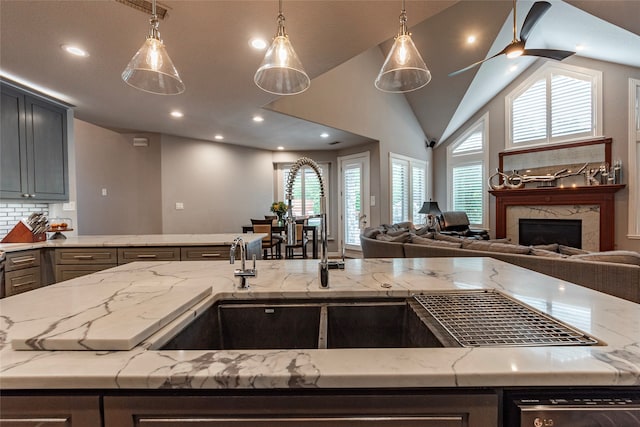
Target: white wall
(222, 186)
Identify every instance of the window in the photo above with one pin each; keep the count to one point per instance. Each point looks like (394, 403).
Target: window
(466, 160)
(408, 188)
(306, 190)
(556, 104)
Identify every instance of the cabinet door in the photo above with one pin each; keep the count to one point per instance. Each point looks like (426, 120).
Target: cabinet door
(322, 410)
(13, 145)
(47, 141)
(50, 411)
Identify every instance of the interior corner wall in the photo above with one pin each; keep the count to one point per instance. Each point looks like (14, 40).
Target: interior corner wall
(221, 186)
(346, 98)
(130, 176)
(615, 84)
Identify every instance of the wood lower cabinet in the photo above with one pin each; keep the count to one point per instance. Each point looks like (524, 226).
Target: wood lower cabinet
(50, 411)
(22, 272)
(131, 254)
(76, 262)
(321, 410)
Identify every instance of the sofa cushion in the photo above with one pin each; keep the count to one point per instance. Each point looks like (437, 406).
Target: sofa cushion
(553, 247)
(546, 253)
(432, 242)
(568, 250)
(401, 238)
(424, 232)
(619, 257)
(482, 245)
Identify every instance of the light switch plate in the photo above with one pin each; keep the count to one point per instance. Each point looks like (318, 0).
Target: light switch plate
(373, 200)
(179, 206)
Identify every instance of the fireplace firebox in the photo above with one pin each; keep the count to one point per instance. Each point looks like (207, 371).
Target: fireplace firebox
(541, 231)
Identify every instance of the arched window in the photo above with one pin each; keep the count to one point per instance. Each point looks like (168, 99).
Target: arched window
(556, 104)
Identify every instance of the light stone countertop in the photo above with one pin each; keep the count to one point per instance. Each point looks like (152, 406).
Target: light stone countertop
(135, 240)
(74, 306)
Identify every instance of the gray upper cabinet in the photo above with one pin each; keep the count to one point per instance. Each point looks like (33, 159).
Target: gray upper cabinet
(33, 148)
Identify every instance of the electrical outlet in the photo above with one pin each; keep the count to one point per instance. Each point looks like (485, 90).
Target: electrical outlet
(179, 206)
(104, 191)
(373, 201)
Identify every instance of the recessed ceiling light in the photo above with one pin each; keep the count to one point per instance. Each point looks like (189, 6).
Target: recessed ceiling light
(324, 135)
(280, 147)
(219, 137)
(258, 43)
(580, 47)
(75, 50)
(258, 119)
(471, 39)
(513, 68)
(177, 114)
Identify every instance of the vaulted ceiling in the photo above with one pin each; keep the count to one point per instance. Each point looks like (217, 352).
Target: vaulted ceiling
(209, 43)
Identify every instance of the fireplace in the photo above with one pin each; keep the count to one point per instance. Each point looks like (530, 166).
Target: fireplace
(540, 231)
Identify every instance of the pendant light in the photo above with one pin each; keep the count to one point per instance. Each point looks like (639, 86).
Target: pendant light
(403, 70)
(151, 69)
(281, 71)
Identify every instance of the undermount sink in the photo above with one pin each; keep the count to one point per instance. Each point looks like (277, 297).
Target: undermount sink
(483, 318)
(286, 324)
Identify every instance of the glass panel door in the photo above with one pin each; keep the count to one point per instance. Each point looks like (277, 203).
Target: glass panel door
(354, 206)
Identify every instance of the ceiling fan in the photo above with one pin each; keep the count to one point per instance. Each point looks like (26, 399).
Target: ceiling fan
(517, 46)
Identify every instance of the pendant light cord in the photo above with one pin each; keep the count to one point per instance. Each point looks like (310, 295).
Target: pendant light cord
(403, 21)
(281, 31)
(515, 24)
(154, 32)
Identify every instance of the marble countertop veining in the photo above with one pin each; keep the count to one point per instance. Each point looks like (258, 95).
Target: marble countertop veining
(134, 240)
(89, 299)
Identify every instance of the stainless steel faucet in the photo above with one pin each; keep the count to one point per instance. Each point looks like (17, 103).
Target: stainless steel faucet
(325, 265)
(243, 273)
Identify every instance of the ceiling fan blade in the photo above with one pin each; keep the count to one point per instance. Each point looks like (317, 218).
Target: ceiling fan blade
(455, 73)
(536, 12)
(558, 55)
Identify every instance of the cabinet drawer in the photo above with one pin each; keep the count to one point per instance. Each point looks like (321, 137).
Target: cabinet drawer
(86, 256)
(200, 253)
(71, 271)
(23, 280)
(22, 259)
(126, 255)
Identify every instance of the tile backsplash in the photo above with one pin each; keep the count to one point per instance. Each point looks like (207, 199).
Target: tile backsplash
(11, 213)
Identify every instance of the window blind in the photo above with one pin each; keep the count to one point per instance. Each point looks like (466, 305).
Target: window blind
(418, 190)
(529, 114)
(352, 192)
(571, 109)
(467, 191)
(399, 190)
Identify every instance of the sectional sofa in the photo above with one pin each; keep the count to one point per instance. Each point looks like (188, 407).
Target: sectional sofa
(615, 273)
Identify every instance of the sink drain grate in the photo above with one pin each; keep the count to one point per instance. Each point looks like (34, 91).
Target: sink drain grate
(491, 319)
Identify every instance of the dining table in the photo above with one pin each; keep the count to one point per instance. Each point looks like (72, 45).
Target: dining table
(281, 229)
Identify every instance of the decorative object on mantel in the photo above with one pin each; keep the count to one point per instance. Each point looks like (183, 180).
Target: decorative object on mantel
(32, 229)
(279, 208)
(516, 180)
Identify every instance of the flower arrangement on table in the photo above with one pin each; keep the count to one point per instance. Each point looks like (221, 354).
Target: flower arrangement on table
(279, 208)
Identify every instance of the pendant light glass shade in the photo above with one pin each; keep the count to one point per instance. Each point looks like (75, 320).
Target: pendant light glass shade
(281, 71)
(403, 70)
(151, 69)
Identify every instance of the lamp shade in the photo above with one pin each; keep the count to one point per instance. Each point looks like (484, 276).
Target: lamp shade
(403, 70)
(281, 71)
(151, 70)
(430, 208)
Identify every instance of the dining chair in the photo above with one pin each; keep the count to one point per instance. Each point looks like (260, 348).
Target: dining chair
(270, 241)
(301, 241)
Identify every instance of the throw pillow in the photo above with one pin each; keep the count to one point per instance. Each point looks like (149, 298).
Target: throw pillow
(432, 242)
(402, 238)
(545, 253)
(371, 232)
(568, 250)
(619, 257)
(553, 247)
(424, 232)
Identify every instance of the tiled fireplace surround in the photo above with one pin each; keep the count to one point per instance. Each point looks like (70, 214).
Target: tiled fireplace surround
(593, 205)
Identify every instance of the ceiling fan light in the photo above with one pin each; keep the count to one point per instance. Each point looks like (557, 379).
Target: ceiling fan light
(403, 70)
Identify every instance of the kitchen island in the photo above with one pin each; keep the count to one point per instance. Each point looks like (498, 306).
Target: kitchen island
(146, 303)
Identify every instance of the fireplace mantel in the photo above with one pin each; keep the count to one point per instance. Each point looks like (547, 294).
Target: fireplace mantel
(601, 195)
